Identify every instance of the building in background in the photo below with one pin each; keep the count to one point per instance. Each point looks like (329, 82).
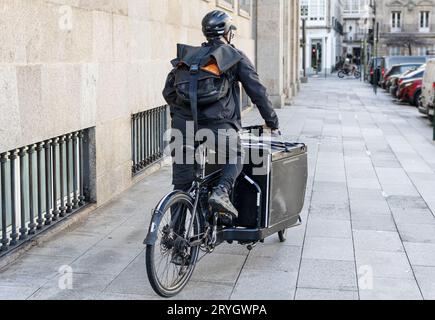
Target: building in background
(81, 111)
(324, 31)
(406, 27)
(358, 25)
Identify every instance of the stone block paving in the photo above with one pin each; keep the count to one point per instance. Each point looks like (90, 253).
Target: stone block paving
(368, 224)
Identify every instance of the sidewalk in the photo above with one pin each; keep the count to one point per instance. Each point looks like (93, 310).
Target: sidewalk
(368, 226)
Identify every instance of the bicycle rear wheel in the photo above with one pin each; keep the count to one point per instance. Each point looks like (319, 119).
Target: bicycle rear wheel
(170, 261)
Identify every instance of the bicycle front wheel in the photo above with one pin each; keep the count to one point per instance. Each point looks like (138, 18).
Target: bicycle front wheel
(341, 74)
(170, 261)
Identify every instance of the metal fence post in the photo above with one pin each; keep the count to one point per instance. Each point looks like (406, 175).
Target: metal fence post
(48, 216)
(5, 239)
(40, 219)
(23, 229)
(32, 224)
(56, 211)
(14, 234)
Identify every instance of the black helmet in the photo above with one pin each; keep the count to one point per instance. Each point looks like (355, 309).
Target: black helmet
(216, 24)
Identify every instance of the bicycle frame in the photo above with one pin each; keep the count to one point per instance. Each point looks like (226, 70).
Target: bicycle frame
(243, 235)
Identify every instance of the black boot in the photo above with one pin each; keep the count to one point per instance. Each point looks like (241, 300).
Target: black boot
(220, 201)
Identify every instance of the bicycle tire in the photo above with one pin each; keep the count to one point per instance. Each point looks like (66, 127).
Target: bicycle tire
(341, 74)
(163, 208)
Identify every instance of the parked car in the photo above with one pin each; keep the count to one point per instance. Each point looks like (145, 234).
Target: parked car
(426, 104)
(374, 67)
(416, 74)
(411, 73)
(389, 61)
(410, 91)
(397, 70)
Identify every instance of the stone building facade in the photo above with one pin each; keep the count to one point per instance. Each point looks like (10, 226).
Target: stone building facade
(406, 27)
(68, 65)
(357, 22)
(324, 32)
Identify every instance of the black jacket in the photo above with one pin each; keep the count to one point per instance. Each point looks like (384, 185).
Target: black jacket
(227, 110)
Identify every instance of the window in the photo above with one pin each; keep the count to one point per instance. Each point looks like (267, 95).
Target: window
(396, 21)
(317, 10)
(394, 51)
(245, 8)
(423, 51)
(226, 4)
(424, 21)
(355, 6)
(304, 8)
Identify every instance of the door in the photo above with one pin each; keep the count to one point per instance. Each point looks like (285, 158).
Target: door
(316, 55)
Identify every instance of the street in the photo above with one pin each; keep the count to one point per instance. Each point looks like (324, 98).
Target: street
(368, 227)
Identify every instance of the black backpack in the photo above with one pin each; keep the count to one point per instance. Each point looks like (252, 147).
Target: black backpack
(201, 74)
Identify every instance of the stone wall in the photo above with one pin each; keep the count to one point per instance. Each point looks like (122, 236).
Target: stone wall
(73, 64)
(278, 48)
(67, 65)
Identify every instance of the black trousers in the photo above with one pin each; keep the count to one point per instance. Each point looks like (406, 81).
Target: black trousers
(224, 146)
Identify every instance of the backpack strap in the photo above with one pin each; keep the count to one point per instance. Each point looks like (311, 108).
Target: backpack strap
(193, 85)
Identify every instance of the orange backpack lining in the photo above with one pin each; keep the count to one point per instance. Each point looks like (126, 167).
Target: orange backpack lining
(211, 67)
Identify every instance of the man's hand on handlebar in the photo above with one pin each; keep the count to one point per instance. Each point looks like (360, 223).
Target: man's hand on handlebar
(276, 133)
(273, 132)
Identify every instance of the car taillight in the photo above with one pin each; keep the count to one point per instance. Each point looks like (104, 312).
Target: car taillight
(433, 85)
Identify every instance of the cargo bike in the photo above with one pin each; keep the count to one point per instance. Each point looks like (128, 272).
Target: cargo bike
(269, 196)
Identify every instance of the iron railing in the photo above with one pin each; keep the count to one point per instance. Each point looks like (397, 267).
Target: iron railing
(148, 128)
(355, 37)
(40, 185)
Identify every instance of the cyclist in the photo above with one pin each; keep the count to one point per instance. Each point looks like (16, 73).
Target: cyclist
(222, 118)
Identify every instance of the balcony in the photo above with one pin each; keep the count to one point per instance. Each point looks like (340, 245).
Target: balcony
(354, 37)
(413, 28)
(362, 13)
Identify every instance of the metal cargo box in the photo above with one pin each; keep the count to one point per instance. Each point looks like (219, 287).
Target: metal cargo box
(273, 191)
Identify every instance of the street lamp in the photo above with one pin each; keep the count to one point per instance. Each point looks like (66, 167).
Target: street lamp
(304, 48)
(375, 42)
